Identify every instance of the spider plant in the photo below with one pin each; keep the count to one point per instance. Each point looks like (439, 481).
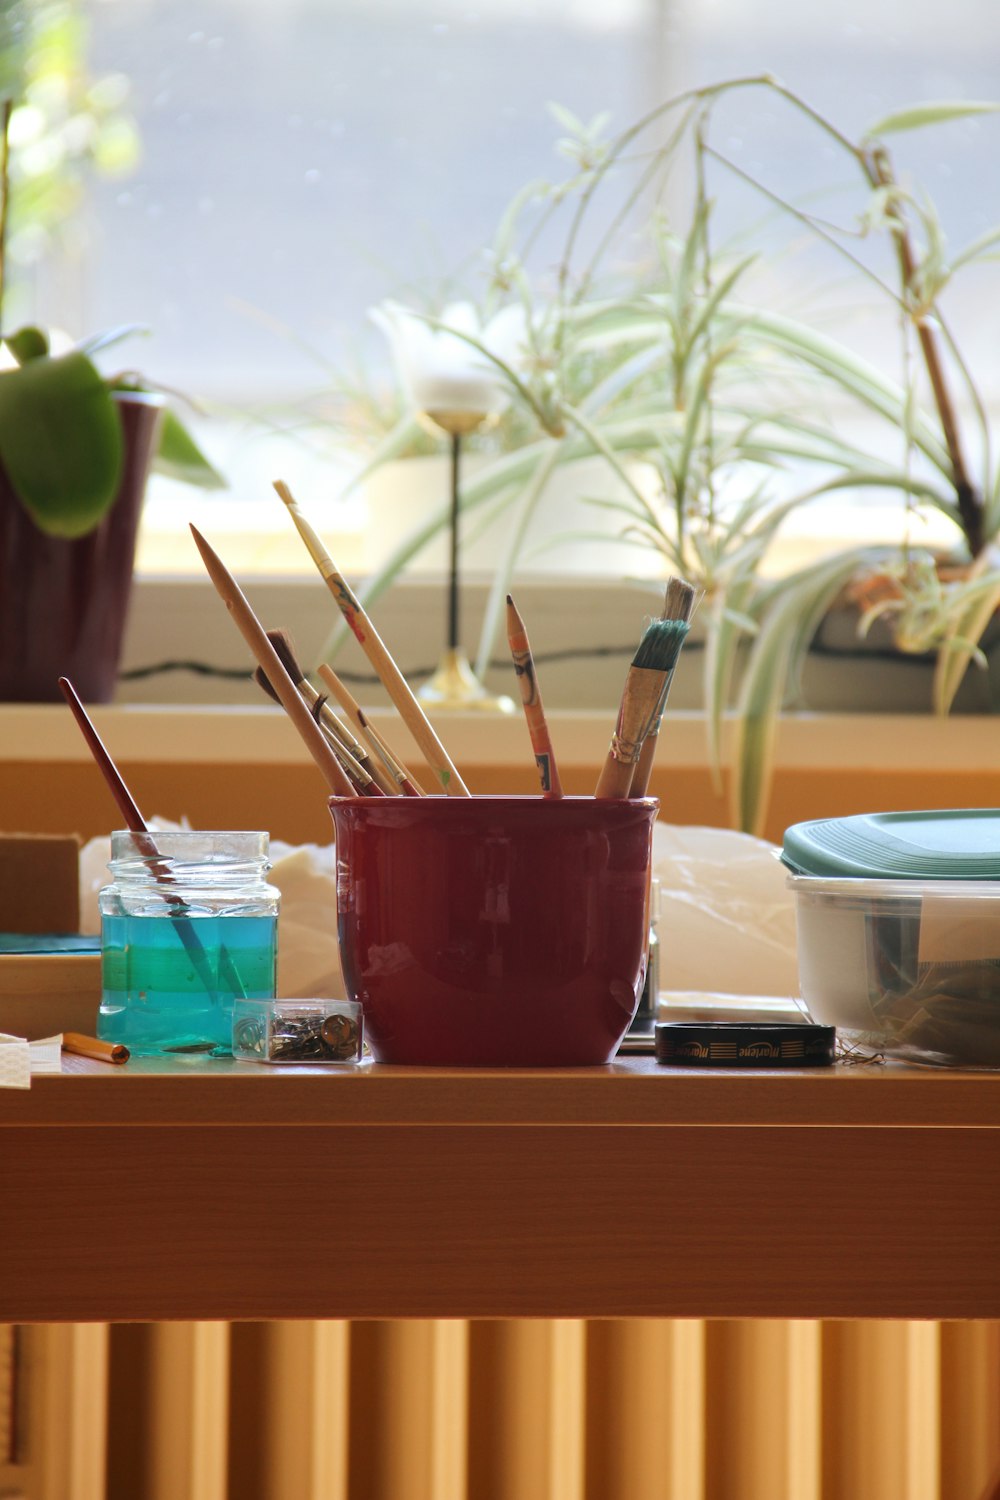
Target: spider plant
(708, 408)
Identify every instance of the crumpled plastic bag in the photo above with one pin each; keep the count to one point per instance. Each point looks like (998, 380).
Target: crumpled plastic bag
(726, 919)
(308, 954)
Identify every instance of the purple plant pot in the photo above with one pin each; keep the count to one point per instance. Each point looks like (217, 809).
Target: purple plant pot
(63, 604)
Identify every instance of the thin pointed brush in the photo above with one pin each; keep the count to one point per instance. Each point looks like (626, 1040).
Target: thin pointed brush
(136, 823)
(531, 697)
(655, 658)
(678, 604)
(397, 770)
(255, 636)
(374, 648)
(324, 715)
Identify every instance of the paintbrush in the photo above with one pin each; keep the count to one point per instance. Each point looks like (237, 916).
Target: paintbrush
(679, 604)
(146, 844)
(372, 645)
(363, 784)
(319, 707)
(404, 780)
(254, 634)
(655, 658)
(531, 697)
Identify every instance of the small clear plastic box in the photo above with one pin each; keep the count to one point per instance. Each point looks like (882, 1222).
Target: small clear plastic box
(298, 1032)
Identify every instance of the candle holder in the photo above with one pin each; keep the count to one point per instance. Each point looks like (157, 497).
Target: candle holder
(454, 684)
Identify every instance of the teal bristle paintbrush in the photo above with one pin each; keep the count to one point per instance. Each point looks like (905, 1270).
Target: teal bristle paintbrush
(678, 604)
(640, 705)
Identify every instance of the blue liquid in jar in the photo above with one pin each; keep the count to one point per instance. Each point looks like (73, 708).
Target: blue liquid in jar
(160, 994)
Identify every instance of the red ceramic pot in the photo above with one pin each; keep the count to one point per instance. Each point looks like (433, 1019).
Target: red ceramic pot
(494, 931)
(63, 604)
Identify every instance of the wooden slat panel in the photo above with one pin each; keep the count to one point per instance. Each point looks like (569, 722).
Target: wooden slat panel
(970, 1409)
(187, 1424)
(665, 1409)
(527, 1405)
(409, 1384)
(8, 1394)
(646, 1409)
(299, 1447)
(64, 1407)
(762, 1405)
(881, 1411)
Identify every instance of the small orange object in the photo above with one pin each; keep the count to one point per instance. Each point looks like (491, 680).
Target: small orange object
(92, 1046)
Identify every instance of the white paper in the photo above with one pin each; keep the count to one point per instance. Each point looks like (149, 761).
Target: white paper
(19, 1059)
(958, 930)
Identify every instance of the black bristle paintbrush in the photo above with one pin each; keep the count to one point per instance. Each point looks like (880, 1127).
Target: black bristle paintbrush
(343, 744)
(651, 665)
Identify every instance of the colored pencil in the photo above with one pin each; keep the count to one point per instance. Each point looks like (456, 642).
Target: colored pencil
(92, 1046)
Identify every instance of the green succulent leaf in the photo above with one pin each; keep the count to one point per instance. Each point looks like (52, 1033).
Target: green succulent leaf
(27, 344)
(60, 442)
(932, 113)
(179, 456)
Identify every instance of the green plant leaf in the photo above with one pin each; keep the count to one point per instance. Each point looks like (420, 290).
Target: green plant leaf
(526, 508)
(783, 639)
(981, 599)
(179, 456)
(60, 442)
(976, 248)
(110, 337)
(27, 344)
(918, 115)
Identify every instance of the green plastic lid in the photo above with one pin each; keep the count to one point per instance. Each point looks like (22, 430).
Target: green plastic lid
(954, 844)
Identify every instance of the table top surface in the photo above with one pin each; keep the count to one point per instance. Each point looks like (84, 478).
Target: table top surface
(630, 1091)
(188, 1188)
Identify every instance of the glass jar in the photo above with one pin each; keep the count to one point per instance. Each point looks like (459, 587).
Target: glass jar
(188, 925)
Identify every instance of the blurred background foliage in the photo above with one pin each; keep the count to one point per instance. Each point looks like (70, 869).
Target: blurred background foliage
(65, 123)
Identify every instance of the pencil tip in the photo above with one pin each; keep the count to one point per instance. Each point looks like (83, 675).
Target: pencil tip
(509, 599)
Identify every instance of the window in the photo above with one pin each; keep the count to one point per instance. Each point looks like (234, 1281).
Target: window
(302, 160)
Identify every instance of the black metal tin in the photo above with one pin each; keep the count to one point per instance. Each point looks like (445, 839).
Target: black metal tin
(734, 1044)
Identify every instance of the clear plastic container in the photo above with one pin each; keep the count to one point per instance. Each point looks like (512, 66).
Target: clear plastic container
(298, 1031)
(188, 924)
(910, 968)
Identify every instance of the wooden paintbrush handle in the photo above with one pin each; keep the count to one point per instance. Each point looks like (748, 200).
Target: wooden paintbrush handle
(637, 713)
(377, 653)
(678, 604)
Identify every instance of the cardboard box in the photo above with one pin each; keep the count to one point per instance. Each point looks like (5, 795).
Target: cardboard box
(39, 883)
(41, 994)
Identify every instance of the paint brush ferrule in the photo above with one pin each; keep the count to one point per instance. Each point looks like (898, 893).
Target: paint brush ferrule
(625, 751)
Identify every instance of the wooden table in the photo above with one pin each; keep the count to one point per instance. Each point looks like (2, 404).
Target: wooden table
(187, 1189)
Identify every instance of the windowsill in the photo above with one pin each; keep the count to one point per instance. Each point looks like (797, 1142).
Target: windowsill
(248, 735)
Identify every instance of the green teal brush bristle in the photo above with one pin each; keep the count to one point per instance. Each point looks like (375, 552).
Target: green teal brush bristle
(661, 645)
